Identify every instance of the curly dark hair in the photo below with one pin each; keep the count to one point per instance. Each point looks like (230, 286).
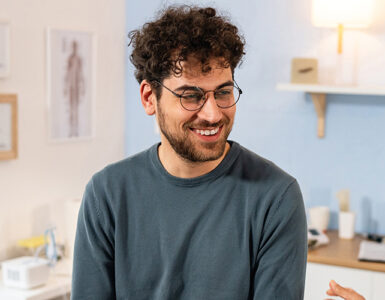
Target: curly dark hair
(160, 47)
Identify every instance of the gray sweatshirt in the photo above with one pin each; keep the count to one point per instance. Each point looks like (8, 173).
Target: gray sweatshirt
(237, 232)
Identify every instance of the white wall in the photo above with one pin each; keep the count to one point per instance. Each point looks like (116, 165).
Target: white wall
(34, 187)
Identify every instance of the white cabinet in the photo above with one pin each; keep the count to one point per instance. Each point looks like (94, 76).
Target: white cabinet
(378, 286)
(370, 284)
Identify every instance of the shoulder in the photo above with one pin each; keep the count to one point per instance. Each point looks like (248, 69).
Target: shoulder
(120, 169)
(258, 169)
(112, 181)
(276, 195)
(272, 189)
(109, 186)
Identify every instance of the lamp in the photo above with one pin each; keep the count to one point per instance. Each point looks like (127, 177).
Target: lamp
(342, 14)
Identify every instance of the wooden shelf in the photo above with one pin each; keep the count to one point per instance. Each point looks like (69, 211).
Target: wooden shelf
(318, 94)
(343, 253)
(333, 89)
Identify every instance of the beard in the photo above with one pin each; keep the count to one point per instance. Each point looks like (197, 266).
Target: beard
(187, 147)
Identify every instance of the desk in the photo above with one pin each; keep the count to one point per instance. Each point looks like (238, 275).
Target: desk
(342, 253)
(59, 284)
(338, 261)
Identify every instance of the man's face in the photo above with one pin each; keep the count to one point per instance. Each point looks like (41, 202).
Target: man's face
(186, 131)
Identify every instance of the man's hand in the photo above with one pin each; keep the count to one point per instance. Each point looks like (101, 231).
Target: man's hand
(345, 293)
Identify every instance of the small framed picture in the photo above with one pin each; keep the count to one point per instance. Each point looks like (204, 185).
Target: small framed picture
(8, 126)
(71, 69)
(4, 49)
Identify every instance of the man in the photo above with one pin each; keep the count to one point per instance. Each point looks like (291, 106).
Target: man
(196, 216)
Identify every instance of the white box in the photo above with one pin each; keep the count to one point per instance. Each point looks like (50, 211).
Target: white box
(25, 272)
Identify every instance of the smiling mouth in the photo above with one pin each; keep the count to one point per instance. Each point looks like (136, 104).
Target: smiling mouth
(208, 133)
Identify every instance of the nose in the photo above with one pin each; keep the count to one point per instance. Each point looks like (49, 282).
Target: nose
(210, 110)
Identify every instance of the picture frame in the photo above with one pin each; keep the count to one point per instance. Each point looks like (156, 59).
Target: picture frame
(5, 33)
(71, 71)
(8, 127)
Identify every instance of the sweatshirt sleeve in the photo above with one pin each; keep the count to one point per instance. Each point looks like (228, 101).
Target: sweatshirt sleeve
(93, 266)
(280, 266)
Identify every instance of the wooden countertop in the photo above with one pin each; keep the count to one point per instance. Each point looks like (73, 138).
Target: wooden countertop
(342, 253)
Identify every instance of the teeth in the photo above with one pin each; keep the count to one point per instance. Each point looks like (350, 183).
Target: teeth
(207, 132)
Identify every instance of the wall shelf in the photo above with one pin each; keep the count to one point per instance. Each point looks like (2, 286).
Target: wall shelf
(318, 94)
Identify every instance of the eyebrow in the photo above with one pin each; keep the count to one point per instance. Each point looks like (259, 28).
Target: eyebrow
(190, 87)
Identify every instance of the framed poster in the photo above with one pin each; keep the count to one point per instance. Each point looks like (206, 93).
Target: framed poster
(4, 49)
(8, 126)
(70, 81)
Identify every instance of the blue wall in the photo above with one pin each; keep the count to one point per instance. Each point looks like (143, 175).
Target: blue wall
(281, 126)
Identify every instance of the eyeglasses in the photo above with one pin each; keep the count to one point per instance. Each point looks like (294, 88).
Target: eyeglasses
(193, 98)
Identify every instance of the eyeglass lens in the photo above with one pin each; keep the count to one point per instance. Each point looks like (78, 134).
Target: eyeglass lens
(194, 98)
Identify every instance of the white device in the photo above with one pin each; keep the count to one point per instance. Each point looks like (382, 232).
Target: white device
(25, 272)
(316, 238)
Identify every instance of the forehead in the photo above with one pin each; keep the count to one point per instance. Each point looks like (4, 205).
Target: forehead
(192, 74)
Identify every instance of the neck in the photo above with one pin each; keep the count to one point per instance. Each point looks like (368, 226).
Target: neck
(182, 168)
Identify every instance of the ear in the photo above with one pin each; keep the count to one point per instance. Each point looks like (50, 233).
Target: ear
(148, 97)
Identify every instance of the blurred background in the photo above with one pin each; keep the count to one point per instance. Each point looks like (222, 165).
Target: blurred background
(278, 125)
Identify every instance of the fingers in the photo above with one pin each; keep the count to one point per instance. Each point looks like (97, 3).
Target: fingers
(331, 293)
(338, 290)
(345, 293)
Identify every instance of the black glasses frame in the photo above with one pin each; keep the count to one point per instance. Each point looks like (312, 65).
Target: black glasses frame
(180, 96)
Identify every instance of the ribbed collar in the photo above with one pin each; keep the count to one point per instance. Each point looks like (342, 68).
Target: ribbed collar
(224, 165)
